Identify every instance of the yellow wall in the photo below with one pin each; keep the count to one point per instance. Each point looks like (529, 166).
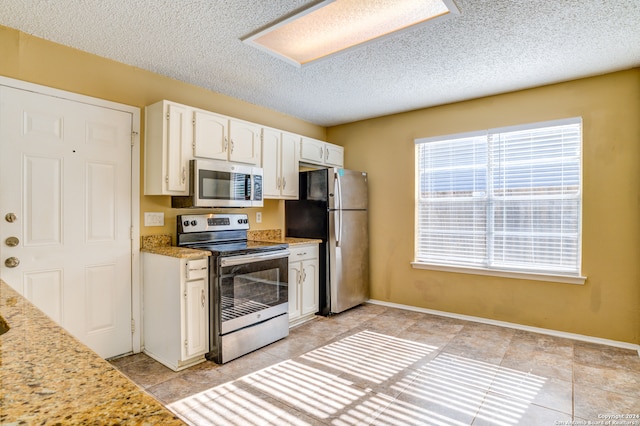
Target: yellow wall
(608, 305)
(28, 58)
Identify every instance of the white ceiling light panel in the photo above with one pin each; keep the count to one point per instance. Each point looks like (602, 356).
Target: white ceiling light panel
(333, 26)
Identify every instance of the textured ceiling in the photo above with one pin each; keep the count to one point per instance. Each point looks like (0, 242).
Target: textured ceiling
(493, 46)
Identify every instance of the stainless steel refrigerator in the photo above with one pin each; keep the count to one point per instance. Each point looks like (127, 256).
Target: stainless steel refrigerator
(333, 207)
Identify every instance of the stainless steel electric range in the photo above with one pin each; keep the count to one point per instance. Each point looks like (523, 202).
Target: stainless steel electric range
(248, 289)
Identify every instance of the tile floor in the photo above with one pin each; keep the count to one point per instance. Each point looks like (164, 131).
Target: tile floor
(375, 365)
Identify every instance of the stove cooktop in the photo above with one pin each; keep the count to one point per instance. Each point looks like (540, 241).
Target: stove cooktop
(221, 234)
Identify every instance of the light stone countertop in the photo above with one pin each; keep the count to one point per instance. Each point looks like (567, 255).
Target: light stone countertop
(180, 252)
(295, 241)
(275, 235)
(161, 244)
(48, 377)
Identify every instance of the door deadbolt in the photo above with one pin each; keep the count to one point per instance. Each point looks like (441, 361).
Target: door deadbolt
(12, 262)
(10, 217)
(12, 241)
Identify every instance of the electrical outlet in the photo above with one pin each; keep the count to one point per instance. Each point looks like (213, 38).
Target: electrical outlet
(153, 219)
(258, 217)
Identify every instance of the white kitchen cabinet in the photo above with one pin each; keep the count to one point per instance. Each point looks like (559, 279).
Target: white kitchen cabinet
(245, 145)
(224, 138)
(210, 135)
(176, 310)
(322, 153)
(303, 282)
(334, 155)
(168, 148)
(280, 164)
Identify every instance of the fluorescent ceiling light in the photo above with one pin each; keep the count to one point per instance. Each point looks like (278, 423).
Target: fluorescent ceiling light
(332, 26)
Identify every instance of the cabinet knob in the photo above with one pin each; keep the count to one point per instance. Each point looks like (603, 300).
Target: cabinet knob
(10, 217)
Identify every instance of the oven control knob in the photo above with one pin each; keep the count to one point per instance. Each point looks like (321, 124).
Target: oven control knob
(185, 223)
(194, 223)
(239, 220)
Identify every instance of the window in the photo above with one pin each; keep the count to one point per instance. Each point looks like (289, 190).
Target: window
(505, 199)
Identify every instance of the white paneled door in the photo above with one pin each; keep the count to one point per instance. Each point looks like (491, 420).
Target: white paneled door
(65, 196)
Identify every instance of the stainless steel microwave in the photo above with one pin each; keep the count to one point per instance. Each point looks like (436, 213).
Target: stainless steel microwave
(219, 184)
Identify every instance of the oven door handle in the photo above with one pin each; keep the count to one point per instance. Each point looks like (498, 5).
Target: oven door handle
(251, 258)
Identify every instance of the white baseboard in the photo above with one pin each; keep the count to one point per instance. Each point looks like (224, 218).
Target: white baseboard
(580, 337)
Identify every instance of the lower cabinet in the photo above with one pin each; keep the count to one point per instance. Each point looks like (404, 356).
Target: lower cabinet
(303, 283)
(176, 309)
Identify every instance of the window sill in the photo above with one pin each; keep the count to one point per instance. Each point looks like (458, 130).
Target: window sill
(566, 279)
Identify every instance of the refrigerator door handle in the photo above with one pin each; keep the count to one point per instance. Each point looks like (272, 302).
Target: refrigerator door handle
(339, 210)
(337, 189)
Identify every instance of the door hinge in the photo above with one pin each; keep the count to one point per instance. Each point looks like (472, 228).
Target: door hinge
(131, 233)
(133, 138)
(133, 325)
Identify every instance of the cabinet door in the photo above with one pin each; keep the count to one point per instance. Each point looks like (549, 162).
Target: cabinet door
(289, 166)
(244, 142)
(210, 135)
(271, 163)
(309, 287)
(295, 273)
(195, 319)
(312, 150)
(334, 155)
(179, 136)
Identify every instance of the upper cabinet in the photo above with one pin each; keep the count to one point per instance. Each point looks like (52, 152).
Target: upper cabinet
(167, 151)
(244, 142)
(210, 135)
(224, 138)
(280, 164)
(322, 153)
(175, 134)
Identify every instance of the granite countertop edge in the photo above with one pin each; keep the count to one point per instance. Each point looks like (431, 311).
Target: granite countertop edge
(50, 377)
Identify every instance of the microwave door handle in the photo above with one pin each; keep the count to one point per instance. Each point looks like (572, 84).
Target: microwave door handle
(247, 187)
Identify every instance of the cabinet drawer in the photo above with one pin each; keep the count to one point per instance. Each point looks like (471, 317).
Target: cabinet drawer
(305, 252)
(197, 268)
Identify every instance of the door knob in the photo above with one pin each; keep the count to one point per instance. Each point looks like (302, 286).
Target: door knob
(10, 217)
(12, 262)
(12, 241)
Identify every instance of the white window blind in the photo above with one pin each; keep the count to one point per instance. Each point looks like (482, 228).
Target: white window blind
(505, 199)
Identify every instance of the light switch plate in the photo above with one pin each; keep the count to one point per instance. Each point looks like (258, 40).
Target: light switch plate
(153, 219)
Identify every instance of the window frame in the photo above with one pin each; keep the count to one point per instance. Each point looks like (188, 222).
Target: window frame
(529, 274)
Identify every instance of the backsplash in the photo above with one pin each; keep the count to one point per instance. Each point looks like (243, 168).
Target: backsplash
(152, 241)
(265, 235)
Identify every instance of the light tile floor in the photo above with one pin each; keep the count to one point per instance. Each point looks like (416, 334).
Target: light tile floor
(375, 365)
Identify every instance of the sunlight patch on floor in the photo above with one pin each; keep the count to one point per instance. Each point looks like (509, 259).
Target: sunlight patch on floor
(448, 389)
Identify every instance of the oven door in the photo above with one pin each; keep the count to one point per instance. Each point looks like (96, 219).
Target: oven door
(251, 288)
